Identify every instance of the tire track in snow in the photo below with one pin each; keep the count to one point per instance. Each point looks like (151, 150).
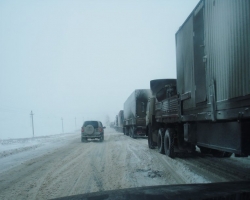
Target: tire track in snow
(160, 164)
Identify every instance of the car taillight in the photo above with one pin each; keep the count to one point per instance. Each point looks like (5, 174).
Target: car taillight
(82, 129)
(100, 129)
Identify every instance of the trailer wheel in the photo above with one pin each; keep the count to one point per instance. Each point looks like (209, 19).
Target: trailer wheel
(221, 154)
(150, 139)
(227, 154)
(133, 132)
(130, 132)
(192, 148)
(169, 143)
(127, 131)
(217, 153)
(205, 150)
(160, 141)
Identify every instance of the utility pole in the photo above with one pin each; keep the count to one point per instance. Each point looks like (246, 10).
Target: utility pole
(75, 122)
(31, 114)
(62, 125)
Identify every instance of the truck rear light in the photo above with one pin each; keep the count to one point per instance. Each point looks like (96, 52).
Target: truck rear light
(100, 129)
(82, 129)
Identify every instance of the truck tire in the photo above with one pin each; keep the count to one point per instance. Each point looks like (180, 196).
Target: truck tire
(228, 154)
(127, 131)
(221, 154)
(150, 138)
(160, 142)
(132, 132)
(192, 148)
(205, 150)
(217, 153)
(84, 139)
(169, 143)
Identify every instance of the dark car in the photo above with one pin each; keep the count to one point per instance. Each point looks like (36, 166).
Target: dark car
(92, 130)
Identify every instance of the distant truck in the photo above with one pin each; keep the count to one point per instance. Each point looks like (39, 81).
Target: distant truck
(208, 105)
(111, 124)
(119, 121)
(135, 112)
(116, 121)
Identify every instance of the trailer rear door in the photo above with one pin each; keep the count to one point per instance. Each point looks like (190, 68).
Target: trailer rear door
(199, 59)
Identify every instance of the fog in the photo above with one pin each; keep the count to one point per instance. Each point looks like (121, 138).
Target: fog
(80, 60)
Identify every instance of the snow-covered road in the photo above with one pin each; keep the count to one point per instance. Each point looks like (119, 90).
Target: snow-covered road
(60, 165)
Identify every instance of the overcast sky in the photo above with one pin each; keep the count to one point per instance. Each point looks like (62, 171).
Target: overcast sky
(79, 60)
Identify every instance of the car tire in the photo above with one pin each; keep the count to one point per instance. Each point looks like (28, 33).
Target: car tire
(89, 130)
(102, 138)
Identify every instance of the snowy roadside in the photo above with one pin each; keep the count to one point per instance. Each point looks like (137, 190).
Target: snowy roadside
(16, 151)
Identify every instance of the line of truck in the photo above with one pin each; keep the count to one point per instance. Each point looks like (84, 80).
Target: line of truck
(208, 104)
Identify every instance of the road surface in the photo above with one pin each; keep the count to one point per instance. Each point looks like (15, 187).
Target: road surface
(63, 166)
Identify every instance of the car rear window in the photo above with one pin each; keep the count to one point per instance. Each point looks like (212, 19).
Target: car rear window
(93, 123)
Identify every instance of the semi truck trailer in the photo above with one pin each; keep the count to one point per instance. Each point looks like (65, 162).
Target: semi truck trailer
(208, 104)
(135, 112)
(119, 121)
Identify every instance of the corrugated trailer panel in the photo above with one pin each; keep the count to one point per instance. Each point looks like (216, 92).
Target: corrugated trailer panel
(221, 50)
(184, 61)
(120, 118)
(227, 42)
(130, 109)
